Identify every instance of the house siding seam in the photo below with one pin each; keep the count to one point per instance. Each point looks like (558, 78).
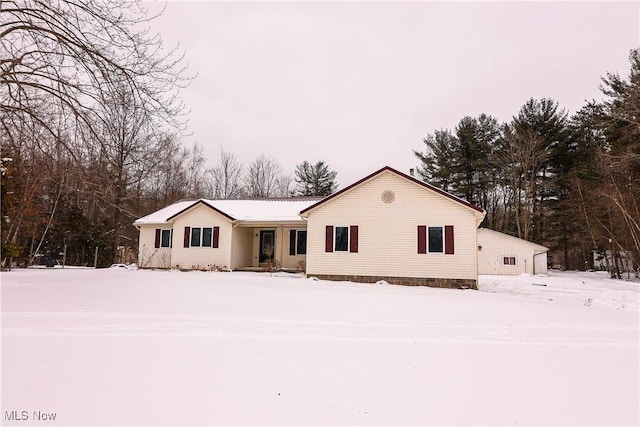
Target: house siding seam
(433, 282)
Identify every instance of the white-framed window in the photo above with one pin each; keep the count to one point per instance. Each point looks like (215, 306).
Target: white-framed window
(341, 239)
(509, 260)
(301, 242)
(205, 237)
(201, 236)
(196, 237)
(165, 238)
(435, 238)
(297, 242)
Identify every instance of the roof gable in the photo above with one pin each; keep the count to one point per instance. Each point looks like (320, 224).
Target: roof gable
(402, 175)
(205, 203)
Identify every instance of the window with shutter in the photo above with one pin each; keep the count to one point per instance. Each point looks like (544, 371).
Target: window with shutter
(196, 233)
(187, 236)
(448, 240)
(342, 239)
(435, 239)
(422, 239)
(216, 237)
(297, 242)
(292, 242)
(328, 239)
(157, 242)
(353, 238)
(165, 239)
(301, 242)
(207, 237)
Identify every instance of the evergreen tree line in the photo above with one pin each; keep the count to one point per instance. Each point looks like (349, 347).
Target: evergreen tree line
(569, 182)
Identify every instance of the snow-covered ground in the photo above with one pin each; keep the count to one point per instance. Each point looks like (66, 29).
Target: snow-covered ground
(139, 347)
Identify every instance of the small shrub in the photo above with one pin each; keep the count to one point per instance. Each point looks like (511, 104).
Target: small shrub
(271, 265)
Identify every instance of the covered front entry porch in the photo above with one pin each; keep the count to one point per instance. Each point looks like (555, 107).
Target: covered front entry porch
(271, 246)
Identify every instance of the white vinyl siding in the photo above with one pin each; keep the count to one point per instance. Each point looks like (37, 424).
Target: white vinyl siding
(387, 232)
(148, 255)
(500, 253)
(200, 257)
(242, 248)
(297, 261)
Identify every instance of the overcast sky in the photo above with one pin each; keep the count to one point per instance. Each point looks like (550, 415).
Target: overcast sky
(359, 85)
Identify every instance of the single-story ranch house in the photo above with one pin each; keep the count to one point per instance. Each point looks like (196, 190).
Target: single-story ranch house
(387, 226)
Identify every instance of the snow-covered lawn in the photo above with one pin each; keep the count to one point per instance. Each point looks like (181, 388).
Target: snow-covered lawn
(138, 347)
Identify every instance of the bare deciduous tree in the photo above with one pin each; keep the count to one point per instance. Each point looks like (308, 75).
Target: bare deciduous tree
(265, 178)
(227, 177)
(65, 55)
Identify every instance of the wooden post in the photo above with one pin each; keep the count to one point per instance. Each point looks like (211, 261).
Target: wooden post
(64, 255)
(95, 259)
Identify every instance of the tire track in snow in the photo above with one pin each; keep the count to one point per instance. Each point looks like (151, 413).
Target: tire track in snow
(18, 324)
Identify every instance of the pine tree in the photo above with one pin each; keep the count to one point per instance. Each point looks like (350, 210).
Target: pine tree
(540, 130)
(437, 162)
(475, 139)
(315, 180)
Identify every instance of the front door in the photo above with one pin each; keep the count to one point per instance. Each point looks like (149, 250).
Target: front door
(267, 245)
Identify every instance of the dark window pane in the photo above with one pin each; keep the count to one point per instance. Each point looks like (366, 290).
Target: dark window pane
(435, 239)
(342, 238)
(206, 237)
(195, 237)
(301, 243)
(166, 239)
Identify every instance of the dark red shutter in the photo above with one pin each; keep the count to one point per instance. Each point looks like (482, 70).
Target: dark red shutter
(422, 239)
(216, 237)
(328, 239)
(158, 231)
(292, 242)
(187, 236)
(353, 238)
(448, 239)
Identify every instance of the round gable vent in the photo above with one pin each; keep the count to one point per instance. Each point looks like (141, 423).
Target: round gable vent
(388, 196)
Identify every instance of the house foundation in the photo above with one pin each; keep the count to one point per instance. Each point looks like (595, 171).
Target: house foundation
(405, 281)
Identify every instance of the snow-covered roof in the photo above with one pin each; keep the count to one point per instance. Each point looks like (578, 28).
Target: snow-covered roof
(500, 235)
(252, 210)
(161, 216)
